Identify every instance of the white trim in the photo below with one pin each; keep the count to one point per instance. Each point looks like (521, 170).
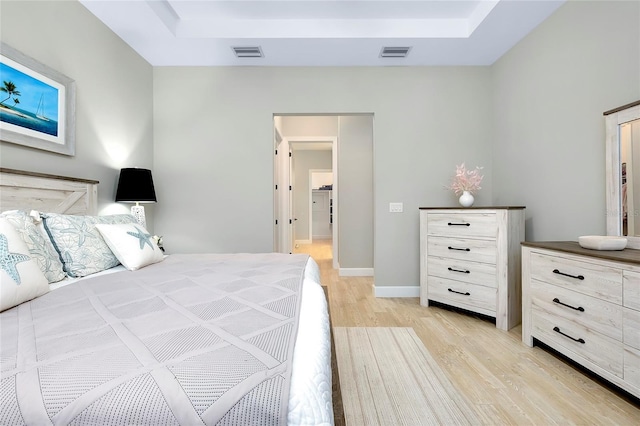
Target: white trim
(355, 272)
(304, 242)
(613, 172)
(400, 291)
(334, 197)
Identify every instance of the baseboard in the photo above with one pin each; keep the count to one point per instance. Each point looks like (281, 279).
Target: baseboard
(355, 272)
(304, 242)
(400, 291)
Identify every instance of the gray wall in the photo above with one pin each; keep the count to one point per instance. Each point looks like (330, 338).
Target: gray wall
(355, 192)
(213, 149)
(114, 115)
(549, 93)
(303, 161)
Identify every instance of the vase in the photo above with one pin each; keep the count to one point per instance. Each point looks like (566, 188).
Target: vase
(466, 199)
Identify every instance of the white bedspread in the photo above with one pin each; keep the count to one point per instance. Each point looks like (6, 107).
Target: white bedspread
(310, 398)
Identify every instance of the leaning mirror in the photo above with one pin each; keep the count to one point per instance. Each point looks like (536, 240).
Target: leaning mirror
(623, 172)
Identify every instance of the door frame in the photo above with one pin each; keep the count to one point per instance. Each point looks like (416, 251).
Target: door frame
(285, 179)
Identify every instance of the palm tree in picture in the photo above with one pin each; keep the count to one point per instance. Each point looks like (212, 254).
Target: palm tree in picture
(16, 101)
(9, 88)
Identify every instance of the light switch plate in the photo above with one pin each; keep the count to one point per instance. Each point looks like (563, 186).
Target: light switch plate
(395, 207)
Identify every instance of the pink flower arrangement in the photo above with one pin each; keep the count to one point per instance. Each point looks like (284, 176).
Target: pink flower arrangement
(466, 180)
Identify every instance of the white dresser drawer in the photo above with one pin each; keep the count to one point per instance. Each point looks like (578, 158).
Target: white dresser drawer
(595, 314)
(483, 225)
(462, 270)
(462, 249)
(475, 251)
(631, 290)
(589, 278)
(603, 351)
(608, 293)
(631, 327)
(632, 366)
(472, 297)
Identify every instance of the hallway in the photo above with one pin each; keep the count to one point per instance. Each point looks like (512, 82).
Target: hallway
(320, 251)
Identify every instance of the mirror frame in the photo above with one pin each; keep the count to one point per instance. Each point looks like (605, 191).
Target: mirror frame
(613, 119)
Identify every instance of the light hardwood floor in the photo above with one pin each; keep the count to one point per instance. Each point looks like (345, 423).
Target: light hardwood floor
(505, 381)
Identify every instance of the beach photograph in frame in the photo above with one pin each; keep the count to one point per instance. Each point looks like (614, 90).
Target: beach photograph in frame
(37, 104)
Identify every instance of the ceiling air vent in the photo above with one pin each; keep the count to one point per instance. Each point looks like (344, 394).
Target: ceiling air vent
(248, 52)
(394, 52)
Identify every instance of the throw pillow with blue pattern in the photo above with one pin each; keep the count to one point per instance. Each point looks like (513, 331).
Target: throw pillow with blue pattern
(132, 244)
(79, 244)
(39, 245)
(20, 277)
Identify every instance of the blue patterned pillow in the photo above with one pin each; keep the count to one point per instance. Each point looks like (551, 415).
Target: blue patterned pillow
(39, 245)
(82, 249)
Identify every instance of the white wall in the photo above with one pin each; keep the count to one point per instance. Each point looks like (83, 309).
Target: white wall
(549, 93)
(114, 94)
(319, 179)
(309, 125)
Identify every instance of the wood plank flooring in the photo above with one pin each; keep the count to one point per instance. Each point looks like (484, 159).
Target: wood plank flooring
(506, 382)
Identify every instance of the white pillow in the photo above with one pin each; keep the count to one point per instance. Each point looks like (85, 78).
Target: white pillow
(20, 276)
(131, 244)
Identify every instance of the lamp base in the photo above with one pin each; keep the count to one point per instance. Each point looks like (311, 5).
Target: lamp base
(138, 213)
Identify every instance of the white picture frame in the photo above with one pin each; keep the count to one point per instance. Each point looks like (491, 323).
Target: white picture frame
(37, 104)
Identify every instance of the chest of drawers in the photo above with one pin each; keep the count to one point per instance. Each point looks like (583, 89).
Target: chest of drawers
(470, 259)
(586, 305)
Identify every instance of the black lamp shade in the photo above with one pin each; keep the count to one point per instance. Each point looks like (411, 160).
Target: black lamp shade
(136, 186)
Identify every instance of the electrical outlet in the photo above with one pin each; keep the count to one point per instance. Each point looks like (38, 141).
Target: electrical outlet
(395, 207)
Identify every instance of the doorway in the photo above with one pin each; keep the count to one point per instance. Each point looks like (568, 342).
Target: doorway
(298, 158)
(351, 202)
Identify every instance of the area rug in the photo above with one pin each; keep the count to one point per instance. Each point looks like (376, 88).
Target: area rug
(338, 409)
(388, 377)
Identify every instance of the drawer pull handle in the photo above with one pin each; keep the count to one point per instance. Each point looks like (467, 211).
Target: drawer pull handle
(458, 224)
(579, 308)
(578, 277)
(464, 271)
(557, 330)
(459, 292)
(460, 249)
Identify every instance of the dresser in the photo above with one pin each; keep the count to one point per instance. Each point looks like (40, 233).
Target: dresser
(585, 304)
(470, 259)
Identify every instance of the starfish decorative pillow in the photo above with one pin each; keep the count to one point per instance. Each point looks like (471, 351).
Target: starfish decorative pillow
(131, 244)
(20, 276)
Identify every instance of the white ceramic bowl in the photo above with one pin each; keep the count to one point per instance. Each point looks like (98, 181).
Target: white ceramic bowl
(602, 242)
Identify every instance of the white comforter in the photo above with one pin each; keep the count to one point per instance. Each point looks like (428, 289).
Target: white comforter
(310, 398)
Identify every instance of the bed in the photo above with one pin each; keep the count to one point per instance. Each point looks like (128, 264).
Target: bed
(228, 339)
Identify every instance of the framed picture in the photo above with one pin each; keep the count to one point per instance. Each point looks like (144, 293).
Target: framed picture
(37, 104)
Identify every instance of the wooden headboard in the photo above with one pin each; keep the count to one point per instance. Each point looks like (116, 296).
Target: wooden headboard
(21, 190)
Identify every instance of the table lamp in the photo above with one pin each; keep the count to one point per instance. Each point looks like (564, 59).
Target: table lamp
(136, 186)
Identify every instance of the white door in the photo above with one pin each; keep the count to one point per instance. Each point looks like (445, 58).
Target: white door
(277, 182)
(292, 237)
